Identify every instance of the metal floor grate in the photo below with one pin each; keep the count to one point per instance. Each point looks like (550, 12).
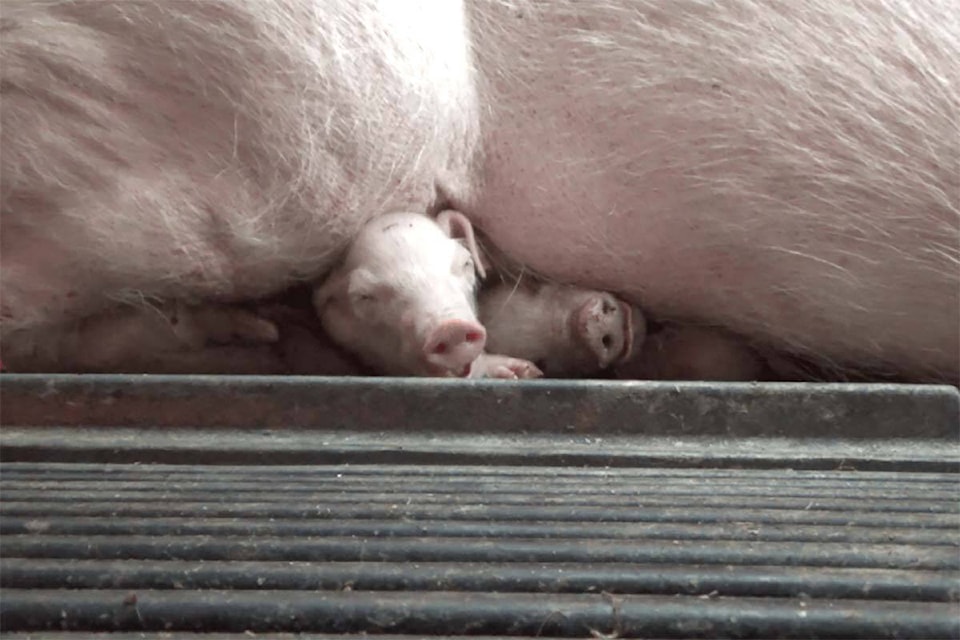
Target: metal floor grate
(497, 550)
(418, 533)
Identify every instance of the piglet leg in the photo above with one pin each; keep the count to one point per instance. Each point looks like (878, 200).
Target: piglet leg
(503, 367)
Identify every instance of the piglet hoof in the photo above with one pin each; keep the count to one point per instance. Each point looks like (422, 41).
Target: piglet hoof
(504, 368)
(226, 325)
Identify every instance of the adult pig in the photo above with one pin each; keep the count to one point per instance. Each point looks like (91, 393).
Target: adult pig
(789, 171)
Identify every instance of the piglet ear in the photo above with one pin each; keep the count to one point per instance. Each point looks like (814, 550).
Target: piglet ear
(456, 225)
(323, 292)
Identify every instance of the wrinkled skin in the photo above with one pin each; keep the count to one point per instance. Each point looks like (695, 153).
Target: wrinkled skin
(788, 171)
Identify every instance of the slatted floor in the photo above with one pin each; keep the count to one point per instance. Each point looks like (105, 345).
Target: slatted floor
(495, 550)
(216, 508)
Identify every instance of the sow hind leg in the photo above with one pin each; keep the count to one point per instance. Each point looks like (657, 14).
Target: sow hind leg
(169, 338)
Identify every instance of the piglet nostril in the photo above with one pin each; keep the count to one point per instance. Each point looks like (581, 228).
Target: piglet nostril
(455, 343)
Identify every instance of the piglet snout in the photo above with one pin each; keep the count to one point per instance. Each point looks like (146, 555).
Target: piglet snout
(604, 326)
(454, 344)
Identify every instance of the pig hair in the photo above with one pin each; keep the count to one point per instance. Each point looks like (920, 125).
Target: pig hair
(215, 150)
(505, 268)
(223, 150)
(803, 160)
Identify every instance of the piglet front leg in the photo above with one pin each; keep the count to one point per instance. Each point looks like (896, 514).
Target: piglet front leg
(489, 365)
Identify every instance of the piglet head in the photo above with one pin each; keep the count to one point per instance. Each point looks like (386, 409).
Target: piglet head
(566, 331)
(404, 299)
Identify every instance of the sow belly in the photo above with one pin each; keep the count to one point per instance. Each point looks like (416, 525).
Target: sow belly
(789, 171)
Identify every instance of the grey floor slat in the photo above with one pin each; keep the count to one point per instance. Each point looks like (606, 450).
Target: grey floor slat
(80, 471)
(216, 509)
(905, 533)
(552, 577)
(508, 614)
(873, 563)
